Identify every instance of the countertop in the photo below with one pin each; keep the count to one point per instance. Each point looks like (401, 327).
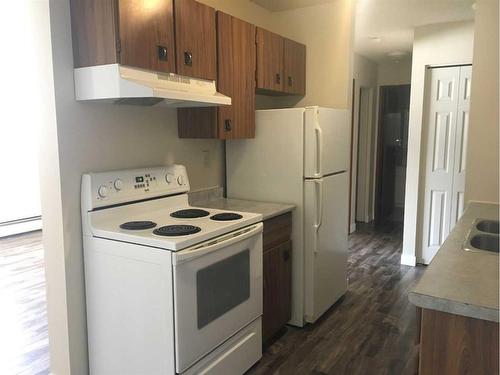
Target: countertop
(458, 281)
(267, 209)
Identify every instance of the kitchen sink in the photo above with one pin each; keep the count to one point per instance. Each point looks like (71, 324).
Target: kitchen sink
(488, 226)
(485, 242)
(483, 236)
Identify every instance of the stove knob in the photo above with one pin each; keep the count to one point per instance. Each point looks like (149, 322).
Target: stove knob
(103, 191)
(118, 184)
(180, 180)
(169, 177)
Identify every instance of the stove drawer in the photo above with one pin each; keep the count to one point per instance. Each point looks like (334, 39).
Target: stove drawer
(235, 356)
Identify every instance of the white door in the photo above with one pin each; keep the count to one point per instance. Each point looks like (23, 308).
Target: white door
(445, 138)
(327, 135)
(457, 195)
(217, 292)
(325, 245)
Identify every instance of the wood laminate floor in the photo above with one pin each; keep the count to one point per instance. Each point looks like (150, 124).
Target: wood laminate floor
(371, 331)
(24, 343)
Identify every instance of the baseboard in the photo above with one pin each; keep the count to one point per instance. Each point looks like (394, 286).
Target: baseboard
(20, 227)
(352, 228)
(408, 260)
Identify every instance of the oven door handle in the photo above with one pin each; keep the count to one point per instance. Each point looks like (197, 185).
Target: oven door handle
(216, 244)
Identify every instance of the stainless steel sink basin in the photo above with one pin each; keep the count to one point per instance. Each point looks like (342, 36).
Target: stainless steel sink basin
(483, 237)
(485, 242)
(488, 226)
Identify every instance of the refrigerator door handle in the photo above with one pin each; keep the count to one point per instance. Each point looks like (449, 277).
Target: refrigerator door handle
(319, 212)
(319, 149)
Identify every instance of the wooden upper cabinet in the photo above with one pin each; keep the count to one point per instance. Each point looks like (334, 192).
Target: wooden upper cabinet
(136, 33)
(94, 31)
(147, 34)
(176, 36)
(294, 61)
(269, 61)
(195, 39)
(236, 76)
(236, 54)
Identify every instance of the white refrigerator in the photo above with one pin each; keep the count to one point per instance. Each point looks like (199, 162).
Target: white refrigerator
(301, 156)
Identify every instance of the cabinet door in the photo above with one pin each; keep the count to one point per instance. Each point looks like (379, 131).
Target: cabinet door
(269, 61)
(147, 34)
(294, 61)
(236, 53)
(195, 39)
(277, 265)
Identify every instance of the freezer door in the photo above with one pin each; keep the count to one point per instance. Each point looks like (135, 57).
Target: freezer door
(325, 245)
(327, 133)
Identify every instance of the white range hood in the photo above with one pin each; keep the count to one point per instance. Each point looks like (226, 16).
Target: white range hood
(119, 84)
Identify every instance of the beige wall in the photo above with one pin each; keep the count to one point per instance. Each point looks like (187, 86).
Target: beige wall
(365, 75)
(481, 180)
(441, 44)
(328, 32)
(394, 73)
(98, 137)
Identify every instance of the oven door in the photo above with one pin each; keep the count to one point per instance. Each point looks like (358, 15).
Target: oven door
(217, 292)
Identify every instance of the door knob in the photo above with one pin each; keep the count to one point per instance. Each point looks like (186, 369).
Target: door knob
(278, 78)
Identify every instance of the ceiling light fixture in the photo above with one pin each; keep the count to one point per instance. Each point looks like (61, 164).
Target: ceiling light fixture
(397, 56)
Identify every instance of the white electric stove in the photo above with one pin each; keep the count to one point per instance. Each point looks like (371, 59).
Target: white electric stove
(170, 288)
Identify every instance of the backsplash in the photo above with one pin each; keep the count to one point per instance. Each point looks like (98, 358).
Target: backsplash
(204, 195)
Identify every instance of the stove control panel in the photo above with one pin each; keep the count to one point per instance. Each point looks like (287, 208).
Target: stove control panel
(117, 187)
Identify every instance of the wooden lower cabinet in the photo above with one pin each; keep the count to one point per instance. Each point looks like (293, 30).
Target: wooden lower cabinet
(277, 272)
(457, 345)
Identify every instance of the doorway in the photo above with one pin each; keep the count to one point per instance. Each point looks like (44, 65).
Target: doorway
(392, 148)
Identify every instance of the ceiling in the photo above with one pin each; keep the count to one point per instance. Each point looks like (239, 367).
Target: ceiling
(386, 26)
(280, 5)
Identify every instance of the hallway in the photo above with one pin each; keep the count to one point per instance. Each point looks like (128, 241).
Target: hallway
(371, 331)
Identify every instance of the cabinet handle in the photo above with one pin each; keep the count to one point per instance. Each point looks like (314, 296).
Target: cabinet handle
(162, 53)
(278, 78)
(188, 58)
(227, 125)
(286, 255)
(290, 81)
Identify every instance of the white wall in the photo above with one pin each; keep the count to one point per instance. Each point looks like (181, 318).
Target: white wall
(365, 76)
(441, 44)
(97, 137)
(481, 180)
